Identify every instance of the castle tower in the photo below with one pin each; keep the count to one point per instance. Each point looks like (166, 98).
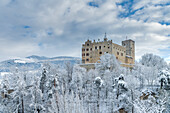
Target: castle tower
(105, 37)
(130, 51)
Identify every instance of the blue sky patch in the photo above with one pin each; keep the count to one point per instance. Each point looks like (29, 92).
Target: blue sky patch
(164, 23)
(166, 4)
(93, 4)
(164, 52)
(49, 33)
(26, 27)
(128, 6)
(40, 44)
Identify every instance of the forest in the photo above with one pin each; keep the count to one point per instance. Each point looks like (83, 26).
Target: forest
(109, 88)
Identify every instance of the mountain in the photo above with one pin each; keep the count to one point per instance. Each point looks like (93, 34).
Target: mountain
(37, 57)
(35, 62)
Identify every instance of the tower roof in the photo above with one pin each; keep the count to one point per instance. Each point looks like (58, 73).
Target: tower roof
(105, 37)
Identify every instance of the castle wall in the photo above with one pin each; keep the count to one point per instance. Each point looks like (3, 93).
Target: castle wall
(119, 52)
(92, 51)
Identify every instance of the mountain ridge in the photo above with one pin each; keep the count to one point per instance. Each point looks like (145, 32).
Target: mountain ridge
(36, 61)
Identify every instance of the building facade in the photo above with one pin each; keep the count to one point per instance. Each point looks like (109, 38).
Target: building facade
(92, 51)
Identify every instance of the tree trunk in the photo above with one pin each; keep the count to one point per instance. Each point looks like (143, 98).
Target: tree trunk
(22, 101)
(98, 110)
(161, 84)
(54, 83)
(57, 102)
(117, 92)
(132, 101)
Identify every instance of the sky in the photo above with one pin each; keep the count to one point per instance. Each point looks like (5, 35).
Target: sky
(59, 27)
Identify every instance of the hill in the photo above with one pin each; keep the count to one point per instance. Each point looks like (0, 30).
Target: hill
(36, 62)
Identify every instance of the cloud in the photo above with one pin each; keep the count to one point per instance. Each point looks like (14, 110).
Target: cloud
(59, 27)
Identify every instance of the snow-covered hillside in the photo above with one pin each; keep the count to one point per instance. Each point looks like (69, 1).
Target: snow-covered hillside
(36, 61)
(109, 88)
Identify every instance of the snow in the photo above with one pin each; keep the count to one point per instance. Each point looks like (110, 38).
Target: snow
(128, 56)
(73, 89)
(24, 60)
(101, 82)
(20, 61)
(4, 73)
(121, 82)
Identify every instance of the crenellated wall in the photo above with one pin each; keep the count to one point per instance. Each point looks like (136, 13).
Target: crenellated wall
(92, 51)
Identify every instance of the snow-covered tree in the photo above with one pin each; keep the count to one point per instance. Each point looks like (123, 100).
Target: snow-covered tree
(69, 69)
(164, 79)
(78, 82)
(98, 82)
(123, 98)
(151, 104)
(17, 93)
(43, 80)
(108, 62)
(36, 104)
(146, 75)
(48, 85)
(5, 96)
(151, 60)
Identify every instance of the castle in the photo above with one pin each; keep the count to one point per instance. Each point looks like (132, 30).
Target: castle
(125, 53)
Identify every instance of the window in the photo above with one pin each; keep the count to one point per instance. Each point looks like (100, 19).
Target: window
(104, 46)
(83, 54)
(87, 44)
(87, 54)
(87, 49)
(83, 61)
(121, 54)
(90, 49)
(106, 52)
(83, 49)
(108, 47)
(95, 47)
(100, 52)
(116, 57)
(100, 47)
(117, 53)
(87, 59)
